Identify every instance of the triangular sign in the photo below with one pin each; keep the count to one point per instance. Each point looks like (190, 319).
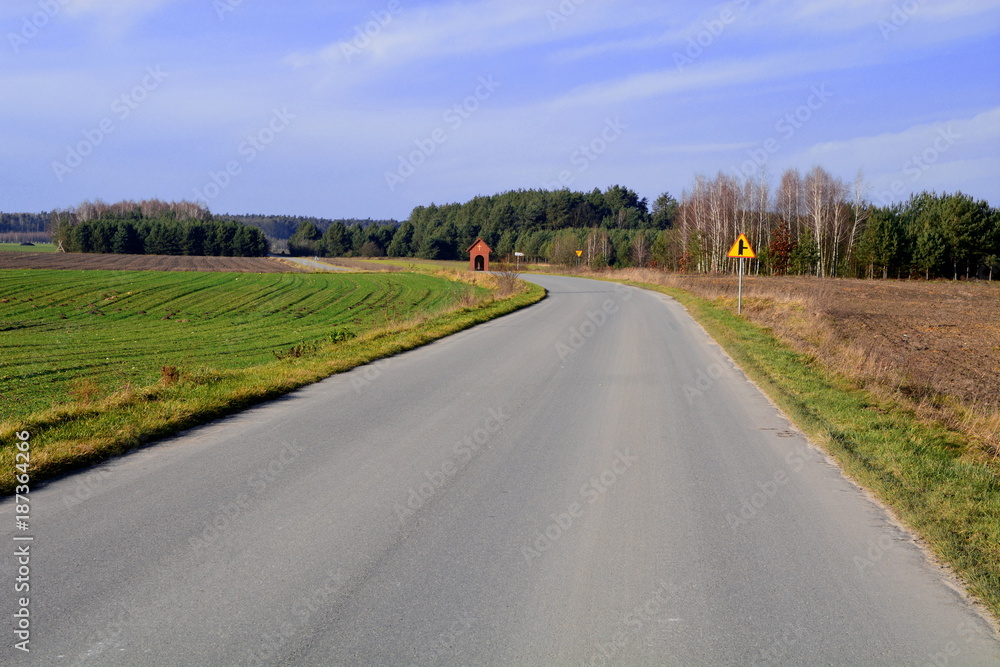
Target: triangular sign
(742, 248)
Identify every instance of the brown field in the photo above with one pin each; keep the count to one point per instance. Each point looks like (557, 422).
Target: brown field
(935, 346)
(85, 261)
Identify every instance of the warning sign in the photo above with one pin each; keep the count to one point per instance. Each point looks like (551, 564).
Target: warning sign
(742, 249)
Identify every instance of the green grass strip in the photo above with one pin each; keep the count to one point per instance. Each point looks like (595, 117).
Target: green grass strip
(71, 437)
(917, 469)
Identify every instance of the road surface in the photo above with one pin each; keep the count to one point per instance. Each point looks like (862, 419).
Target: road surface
(587, 481)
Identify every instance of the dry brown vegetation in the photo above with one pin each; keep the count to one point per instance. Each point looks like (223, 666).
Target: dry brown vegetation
(933, 346)
(360, 264)
(94, 261)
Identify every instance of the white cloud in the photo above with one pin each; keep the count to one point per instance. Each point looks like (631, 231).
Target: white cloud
(951, 154)
(114, 7)
(712, 75)
(415, 34)
(831, 16)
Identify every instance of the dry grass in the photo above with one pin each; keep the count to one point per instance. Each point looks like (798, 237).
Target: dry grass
(84, 391)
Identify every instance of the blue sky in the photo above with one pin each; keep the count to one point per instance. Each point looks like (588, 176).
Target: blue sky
(367, 109)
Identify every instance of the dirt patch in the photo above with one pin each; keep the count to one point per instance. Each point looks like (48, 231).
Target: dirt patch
(88, 261)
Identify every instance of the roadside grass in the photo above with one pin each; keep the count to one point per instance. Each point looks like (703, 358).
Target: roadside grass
(97, 415)
(931, 476)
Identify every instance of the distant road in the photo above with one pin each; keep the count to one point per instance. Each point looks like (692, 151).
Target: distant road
(311, 264)
(587, 481)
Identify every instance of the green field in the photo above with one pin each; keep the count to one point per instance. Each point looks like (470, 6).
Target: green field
(17, 247)
(95, 363)
(63, 333)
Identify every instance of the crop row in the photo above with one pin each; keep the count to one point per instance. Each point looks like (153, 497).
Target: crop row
(80, 335)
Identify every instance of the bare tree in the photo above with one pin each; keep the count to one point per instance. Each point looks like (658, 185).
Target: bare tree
(789, 201)
(861, 210)
(640, 249)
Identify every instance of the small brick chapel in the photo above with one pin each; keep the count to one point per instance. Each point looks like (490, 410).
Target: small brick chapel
(479, 256)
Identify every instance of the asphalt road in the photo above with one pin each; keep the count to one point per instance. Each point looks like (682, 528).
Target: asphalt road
(587, 481)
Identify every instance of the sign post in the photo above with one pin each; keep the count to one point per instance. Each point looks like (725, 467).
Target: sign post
(579, 254)
(741, 250)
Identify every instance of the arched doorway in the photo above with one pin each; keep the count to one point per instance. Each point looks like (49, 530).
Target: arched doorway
(479, 256)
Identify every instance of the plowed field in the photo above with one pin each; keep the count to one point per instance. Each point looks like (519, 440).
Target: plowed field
(87, 261)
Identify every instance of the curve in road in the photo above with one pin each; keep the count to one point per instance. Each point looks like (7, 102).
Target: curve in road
(589, 480)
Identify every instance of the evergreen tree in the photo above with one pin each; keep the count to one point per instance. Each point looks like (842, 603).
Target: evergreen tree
(336, 240)
(193, 242)
(401, 241)
(126, 240)
(305, 240)
(664, 211)
(804, 258)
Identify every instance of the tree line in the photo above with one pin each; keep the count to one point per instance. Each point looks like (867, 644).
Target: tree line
(817, 224)
(811, 224)
(282, 227)
(154, 227)
(526, 221)
(24, 227)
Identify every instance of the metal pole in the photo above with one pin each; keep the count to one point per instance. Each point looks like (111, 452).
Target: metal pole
(739, 300)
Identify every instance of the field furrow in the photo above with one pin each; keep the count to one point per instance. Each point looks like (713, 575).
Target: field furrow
(78, 336)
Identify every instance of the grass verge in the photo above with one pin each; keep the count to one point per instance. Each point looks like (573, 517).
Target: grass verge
(924, 472)
(87, 431)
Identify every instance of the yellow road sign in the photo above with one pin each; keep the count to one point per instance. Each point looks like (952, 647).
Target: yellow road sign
(579, 253)
(742, 249)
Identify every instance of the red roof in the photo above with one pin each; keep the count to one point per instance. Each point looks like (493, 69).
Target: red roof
(478, 241)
